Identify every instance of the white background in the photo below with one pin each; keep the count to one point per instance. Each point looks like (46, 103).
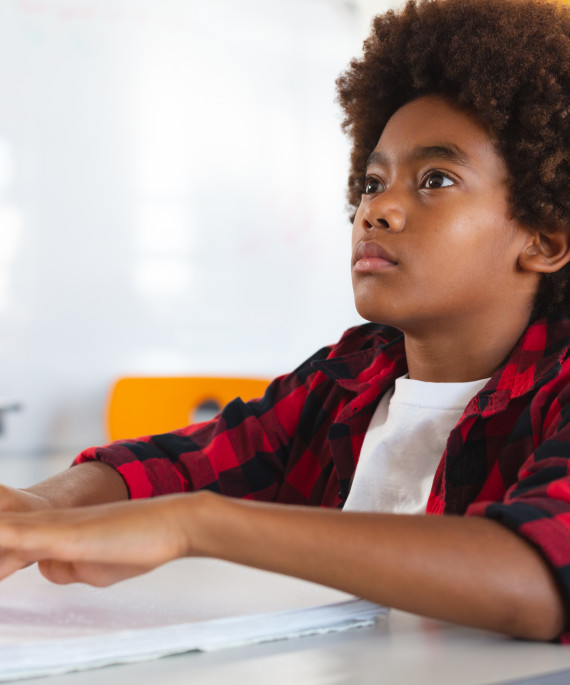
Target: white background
(172, 197)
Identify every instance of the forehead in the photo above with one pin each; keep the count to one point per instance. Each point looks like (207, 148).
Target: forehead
(431, 122)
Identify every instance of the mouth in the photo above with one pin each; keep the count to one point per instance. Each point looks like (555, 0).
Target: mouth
(369, 257)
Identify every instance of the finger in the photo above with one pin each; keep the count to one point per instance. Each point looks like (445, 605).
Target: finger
(91, 573)
(11, 562)
(59, 572)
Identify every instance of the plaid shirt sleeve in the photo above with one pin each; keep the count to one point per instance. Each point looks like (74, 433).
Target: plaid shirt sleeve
(243, 452)
(273, 449)
(537, 505)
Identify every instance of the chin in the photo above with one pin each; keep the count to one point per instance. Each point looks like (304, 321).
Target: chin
(374, 316)
(375, 305)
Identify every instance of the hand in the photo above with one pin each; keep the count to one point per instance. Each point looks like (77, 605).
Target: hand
(12, 499)
(86, 484)
(102, 544)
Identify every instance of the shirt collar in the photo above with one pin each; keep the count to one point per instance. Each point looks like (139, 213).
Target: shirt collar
(380, 357)
(534, 360)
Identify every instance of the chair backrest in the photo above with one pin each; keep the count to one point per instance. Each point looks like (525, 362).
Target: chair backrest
(151, 405)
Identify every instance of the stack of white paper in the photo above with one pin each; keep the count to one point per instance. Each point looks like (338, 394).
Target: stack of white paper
(191, 604)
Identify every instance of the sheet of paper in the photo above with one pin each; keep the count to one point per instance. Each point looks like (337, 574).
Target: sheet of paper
(191, 604)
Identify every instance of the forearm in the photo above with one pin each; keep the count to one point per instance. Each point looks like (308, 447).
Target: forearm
(82, 485)
(465, 570)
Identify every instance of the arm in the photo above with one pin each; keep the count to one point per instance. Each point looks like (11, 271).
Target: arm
(198, 456)
(471, 571)
(85, 484)
(466, 570)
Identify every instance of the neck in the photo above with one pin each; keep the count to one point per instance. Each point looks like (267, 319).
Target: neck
(456, 354)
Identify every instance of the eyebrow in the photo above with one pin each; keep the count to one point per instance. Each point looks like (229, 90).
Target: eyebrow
(448, 151)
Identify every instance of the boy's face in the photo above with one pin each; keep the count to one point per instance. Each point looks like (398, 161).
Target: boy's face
(433, 241)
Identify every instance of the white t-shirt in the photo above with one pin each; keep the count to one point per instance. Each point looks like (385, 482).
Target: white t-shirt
(404, 445)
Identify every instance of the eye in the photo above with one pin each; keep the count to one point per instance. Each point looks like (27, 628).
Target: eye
(437, 179)
(373, 185)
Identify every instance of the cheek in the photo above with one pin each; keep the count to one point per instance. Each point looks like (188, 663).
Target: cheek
(357, 231)
(473, 240)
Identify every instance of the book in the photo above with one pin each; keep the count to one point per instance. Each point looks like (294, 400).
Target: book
(187, 605)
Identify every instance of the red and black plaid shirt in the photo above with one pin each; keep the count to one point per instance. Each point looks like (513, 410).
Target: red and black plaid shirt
(508, 457)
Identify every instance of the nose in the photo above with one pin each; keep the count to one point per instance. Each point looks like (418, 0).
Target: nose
(384, 210)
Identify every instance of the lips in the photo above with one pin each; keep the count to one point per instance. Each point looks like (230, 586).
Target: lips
(369, 257)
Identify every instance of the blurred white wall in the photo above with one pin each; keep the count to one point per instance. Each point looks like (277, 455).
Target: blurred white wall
(172, 197)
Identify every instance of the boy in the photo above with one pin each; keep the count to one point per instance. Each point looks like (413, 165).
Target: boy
(460, 119)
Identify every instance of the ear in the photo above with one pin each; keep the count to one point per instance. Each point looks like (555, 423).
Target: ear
(545, 252)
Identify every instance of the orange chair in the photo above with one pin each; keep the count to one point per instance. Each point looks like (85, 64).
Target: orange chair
(150, 405)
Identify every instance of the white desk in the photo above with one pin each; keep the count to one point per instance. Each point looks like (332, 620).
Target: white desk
(404, 649)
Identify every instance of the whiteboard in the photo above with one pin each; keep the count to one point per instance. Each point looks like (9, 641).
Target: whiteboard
(172, 198)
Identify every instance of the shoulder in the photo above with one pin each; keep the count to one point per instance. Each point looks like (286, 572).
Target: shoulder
(543, 372)
(542, 355)
(545, 351)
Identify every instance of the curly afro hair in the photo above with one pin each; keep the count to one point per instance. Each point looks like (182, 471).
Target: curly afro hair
(506, 60)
